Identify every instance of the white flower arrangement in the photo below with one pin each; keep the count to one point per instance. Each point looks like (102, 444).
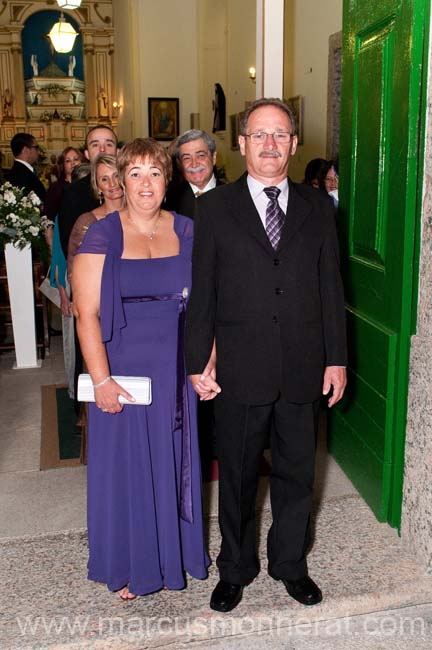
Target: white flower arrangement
(21, 222)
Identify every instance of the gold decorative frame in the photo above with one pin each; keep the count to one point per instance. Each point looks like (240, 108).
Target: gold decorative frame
(163, 116)
(296, 103)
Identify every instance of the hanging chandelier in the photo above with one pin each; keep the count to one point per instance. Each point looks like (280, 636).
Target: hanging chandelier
(69, 4)
(62, 35)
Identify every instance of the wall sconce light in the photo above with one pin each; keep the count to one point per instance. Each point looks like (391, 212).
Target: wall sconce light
(252, 74)
(117, 105)
(62, 35)
(69, 4)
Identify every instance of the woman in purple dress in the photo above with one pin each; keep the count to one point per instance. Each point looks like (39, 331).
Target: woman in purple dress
(131, 279)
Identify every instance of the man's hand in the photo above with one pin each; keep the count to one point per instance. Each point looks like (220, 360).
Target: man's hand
(205, 385)
(334, 376)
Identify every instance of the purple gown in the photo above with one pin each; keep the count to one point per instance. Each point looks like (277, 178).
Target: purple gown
(144, 507)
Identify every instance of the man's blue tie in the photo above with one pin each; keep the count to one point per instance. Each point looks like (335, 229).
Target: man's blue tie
(274, 216)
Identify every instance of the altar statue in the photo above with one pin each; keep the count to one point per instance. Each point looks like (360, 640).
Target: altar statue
(102, 103)
(71, 66)
(34, 65)
(7, 103)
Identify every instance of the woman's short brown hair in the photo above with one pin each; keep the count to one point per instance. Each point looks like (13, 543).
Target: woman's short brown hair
(103, 159)
(142, 148)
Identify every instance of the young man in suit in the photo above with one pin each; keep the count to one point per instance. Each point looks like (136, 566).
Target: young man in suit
(265, 333)
(195, 154)
(79, 197)
(22, 174)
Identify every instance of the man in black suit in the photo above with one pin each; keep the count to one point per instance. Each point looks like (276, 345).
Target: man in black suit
(266, 313)
(22, 174)
(195, 154)
(79, 197)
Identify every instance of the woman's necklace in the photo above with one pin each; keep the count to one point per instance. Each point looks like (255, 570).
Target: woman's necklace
(151, 234)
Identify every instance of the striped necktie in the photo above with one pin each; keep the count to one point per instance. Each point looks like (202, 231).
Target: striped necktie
(274, 216)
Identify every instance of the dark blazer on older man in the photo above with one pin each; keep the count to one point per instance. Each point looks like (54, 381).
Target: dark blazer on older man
(21, 176)
(278, 316)
(181, 198)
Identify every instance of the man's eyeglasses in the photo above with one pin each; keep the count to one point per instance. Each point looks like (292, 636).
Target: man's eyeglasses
(34, 146)
(283, 137)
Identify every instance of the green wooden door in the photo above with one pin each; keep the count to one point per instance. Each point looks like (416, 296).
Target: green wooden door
(382, 75)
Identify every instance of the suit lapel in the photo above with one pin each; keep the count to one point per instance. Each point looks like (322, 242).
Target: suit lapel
(245, 212)
(297, 211)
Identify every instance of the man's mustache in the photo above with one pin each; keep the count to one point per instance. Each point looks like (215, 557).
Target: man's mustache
(201, 168)
(270, 154)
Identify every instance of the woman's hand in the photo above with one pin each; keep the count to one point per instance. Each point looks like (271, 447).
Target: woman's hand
(106, 396)
(65, 303)
(205, 385)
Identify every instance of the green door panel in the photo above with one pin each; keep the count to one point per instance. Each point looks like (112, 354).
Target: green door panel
(366, 412)
(382, 76)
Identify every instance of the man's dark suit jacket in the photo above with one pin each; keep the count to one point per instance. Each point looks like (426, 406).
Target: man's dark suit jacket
(278, 316)
(21, 176)
(77, 198)
(180, 198)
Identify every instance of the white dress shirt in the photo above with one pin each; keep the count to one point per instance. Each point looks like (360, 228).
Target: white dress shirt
(210, 185)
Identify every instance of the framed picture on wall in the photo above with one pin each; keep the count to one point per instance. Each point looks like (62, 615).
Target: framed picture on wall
(234, 124)
(296, 104)
(163, 114)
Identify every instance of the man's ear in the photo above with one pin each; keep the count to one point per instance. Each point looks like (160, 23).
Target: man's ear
(86, 154)
(294, 142)
(242, 144)
(214, 158)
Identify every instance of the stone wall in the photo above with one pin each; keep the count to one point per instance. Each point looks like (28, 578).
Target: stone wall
(417, 499)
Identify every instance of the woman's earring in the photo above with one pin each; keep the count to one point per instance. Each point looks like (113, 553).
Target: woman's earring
(101, 197)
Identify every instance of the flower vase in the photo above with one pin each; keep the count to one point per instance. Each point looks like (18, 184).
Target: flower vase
(19, 267)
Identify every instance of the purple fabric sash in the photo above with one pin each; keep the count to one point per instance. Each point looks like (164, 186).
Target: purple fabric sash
(182, 417)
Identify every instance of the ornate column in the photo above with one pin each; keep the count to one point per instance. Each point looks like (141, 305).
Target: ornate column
(98, 49)
(89, 76)
(19, 111)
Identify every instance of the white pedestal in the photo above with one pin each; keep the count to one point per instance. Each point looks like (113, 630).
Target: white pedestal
(21, 295)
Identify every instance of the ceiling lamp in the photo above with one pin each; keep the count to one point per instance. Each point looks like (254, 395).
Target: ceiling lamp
(69, 4)
(62, 35)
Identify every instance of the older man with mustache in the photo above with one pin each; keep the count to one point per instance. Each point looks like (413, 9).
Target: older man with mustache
(195, 154)
(265, 335)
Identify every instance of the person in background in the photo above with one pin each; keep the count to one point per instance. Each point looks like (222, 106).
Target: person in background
(68, 160)
(195, 155)
(58, 273)
(131, 277)
(79, 197)
(195, 152)
(107, 189)
(23, 173)
(312, 171)
(329, 180)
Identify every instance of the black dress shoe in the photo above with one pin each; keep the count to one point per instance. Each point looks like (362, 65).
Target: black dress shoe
(304, 590)
(225, 596)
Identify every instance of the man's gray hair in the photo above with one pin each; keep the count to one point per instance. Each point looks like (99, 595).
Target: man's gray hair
(190, 136)
(268, 101)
